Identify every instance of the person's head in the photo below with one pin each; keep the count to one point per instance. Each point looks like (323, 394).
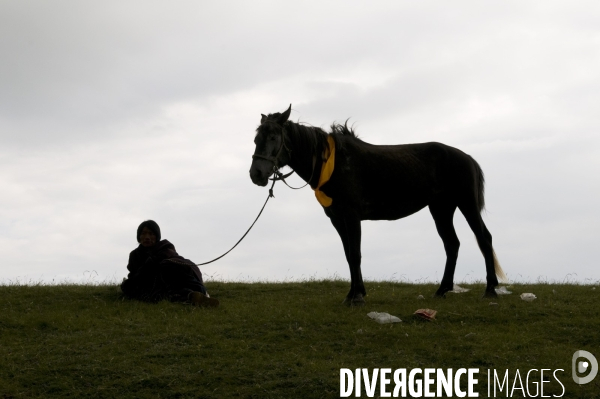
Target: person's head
(148, 233)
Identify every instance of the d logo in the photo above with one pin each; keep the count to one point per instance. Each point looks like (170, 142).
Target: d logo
(590, 364)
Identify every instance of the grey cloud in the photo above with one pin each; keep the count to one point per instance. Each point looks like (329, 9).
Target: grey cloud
(73, 66)
(117, 112)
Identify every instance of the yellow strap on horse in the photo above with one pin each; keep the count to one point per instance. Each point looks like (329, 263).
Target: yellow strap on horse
(326, 172)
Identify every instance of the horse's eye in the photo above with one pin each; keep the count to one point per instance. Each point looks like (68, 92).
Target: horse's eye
(272, 137)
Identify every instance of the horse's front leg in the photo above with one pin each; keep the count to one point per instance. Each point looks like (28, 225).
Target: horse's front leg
(350, 232)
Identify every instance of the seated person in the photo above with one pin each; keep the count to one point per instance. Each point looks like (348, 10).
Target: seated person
(156, 272)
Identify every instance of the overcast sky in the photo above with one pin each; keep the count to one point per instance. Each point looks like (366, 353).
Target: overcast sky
(115, 112)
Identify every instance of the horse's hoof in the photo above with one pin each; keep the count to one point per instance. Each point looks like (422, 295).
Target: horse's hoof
(441, 292)
(490, 294)
(357, 300)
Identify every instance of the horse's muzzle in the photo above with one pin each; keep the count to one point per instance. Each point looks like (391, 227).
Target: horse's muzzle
(258, 178)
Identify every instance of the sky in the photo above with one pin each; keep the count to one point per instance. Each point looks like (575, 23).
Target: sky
(115, 112)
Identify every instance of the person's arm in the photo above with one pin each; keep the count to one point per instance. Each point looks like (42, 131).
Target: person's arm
(131, 265)
(141, 262)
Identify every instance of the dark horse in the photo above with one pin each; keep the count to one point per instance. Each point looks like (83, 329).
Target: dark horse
(378, 182)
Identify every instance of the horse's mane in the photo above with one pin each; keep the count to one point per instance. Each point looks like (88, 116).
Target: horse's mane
(312, 139)
(337, 128)
(309, 139)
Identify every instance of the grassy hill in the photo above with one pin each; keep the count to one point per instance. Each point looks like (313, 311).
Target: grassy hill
(281, 340)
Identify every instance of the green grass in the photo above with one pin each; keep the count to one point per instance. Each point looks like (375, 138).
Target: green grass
(285, 340)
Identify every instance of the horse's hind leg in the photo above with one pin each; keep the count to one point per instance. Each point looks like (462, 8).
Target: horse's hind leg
(484, 240)
(443, 215)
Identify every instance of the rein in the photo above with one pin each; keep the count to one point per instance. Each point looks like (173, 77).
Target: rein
(282, 177)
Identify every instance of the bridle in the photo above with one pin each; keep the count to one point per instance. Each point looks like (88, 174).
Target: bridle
(275, 160)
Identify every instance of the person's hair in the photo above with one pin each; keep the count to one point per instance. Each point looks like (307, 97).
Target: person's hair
(152, 225)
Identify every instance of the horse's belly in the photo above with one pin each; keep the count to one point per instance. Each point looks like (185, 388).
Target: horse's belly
(392, 210)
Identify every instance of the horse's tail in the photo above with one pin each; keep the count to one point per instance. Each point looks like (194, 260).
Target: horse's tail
(498, 269)
(479, 186)
(480, 201)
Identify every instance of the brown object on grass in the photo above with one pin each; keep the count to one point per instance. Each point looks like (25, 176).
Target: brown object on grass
(427, 314)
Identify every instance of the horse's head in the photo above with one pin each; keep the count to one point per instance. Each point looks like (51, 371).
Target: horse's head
(271, 152)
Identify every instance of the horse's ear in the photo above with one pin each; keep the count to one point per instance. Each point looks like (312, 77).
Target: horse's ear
(263, 118)
(284, 117)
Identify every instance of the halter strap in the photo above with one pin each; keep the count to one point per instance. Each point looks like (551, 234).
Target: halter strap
(275, 159)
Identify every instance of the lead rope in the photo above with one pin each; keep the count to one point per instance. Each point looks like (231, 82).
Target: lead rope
(247, 231)
(279, 176)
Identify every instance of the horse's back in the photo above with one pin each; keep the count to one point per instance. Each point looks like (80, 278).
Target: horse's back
(394, 181)
(430, 165)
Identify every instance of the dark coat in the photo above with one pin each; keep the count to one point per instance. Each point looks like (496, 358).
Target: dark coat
(159, 272)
